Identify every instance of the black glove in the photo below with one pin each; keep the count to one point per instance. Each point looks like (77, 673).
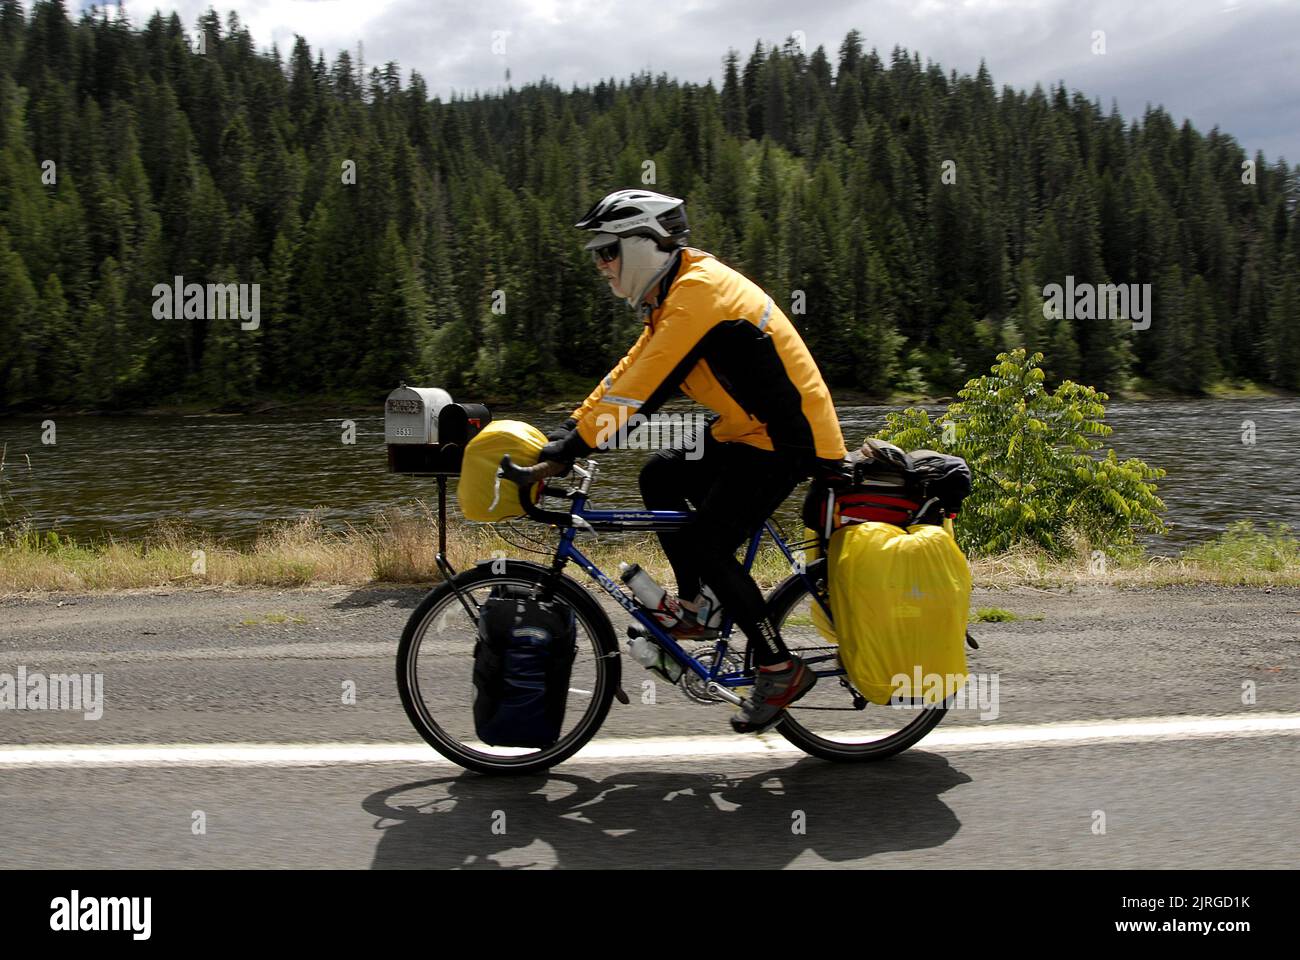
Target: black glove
(562, 431)
(565, 450)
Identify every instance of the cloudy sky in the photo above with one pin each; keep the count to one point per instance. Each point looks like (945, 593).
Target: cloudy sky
(1234, 63)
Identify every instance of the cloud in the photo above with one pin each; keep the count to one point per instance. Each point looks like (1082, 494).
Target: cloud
(1230, 63)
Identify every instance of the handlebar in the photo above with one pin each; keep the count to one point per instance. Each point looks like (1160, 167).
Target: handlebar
(525, 477)
(538, 471)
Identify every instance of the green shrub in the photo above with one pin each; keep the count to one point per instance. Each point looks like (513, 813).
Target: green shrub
(1242, 547)
(1036, 481)
(1000, 615)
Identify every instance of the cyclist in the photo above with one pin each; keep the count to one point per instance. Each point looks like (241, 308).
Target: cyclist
(715, 334)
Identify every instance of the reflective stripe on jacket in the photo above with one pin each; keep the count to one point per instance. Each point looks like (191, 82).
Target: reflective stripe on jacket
(722, 340)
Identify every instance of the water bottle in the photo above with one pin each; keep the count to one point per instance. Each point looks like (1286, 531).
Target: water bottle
(650, 595)
(649, 654)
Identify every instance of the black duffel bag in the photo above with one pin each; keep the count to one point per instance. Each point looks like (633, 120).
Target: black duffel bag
(941, 482)
(522, 662)
(882, 483)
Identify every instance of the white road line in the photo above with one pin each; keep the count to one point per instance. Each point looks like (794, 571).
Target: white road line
(954, 740)
(324, 650)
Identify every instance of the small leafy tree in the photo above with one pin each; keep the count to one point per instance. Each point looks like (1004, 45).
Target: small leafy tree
(1031, 453)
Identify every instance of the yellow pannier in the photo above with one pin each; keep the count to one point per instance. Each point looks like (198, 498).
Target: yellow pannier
(900, 599)
(482, 496)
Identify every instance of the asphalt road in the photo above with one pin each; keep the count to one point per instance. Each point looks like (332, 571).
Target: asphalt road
(266, 667)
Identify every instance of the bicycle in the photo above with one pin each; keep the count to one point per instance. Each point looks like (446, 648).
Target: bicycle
(827, 723)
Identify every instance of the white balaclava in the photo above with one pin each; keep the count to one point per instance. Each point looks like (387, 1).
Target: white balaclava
(642, 263)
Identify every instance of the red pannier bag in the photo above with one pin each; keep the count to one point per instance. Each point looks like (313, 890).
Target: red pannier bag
(883, 484)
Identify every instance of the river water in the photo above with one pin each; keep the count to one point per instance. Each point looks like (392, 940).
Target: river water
(228, 474)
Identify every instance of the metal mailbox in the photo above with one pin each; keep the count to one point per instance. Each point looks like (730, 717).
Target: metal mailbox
(426, 431)
(459, 423)
(411, 414)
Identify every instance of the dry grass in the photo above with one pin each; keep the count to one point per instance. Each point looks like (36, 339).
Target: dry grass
(399, 547)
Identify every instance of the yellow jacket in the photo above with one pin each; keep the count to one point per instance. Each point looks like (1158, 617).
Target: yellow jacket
(719, 337)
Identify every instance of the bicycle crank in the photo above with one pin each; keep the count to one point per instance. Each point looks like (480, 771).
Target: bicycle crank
(708, 691)
(719, 692)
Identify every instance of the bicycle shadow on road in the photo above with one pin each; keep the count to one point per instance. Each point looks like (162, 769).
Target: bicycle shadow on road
(805, 814)
(399, 596)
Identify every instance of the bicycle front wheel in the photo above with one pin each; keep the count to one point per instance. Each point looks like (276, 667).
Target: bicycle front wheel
(435, 670)
(833, 721)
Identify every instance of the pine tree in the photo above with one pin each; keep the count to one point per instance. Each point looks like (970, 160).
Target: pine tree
(231, 349)
(279, 319)
(19, 328)
(734, 112)
(817, 274)
(108, 365)
(848, 104)
(60, 354)
(1283, 339)
(1201, 364)
(850, 55)
(878, 358)
(1169, 332)
(820, 179)
(754, 91)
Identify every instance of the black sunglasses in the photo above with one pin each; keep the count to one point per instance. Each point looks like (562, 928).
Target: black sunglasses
(605, 254)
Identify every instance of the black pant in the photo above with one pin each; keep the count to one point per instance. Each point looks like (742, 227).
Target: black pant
(734, 488)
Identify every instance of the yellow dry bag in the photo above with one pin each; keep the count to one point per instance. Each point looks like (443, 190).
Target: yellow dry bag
(900, 599)
(482, 495)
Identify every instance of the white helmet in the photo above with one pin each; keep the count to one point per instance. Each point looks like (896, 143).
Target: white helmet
(637, 213)
(648, 227)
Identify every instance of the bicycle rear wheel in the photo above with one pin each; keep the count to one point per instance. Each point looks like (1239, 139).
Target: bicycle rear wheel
(833, 721)
(435, 666)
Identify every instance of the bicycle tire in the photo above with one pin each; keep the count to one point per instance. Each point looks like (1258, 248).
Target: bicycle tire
(604, 651)
(782, 600)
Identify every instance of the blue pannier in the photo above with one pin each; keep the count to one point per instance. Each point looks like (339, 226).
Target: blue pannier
(522, 662)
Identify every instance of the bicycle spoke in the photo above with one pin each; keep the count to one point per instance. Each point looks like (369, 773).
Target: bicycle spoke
(436, 675)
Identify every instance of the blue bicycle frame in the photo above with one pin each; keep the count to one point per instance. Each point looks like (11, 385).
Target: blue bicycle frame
(666, 520)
